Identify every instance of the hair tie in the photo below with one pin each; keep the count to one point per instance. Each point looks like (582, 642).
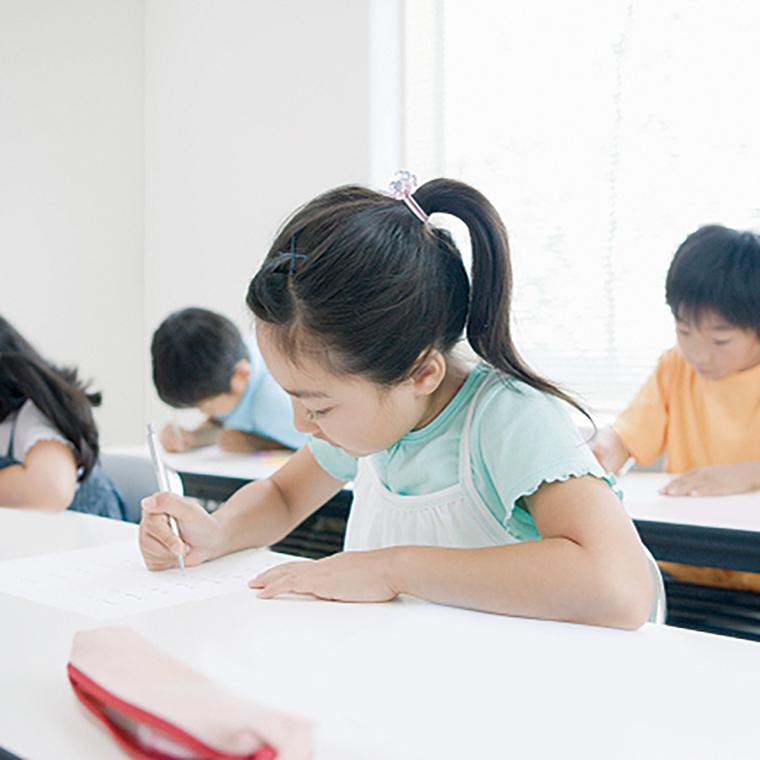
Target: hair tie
(292, 255)
(402, 187)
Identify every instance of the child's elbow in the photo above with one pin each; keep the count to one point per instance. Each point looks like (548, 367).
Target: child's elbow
(633, 611)
(56, 498)
(628, 599)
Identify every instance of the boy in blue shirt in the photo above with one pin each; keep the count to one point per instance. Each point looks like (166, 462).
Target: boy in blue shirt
(201, 360)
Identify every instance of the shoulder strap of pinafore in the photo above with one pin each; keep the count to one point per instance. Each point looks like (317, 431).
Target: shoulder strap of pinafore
(488, 386)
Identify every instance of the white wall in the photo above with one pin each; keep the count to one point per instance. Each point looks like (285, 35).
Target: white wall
(148, 152)
(71, 191)
(252, 107)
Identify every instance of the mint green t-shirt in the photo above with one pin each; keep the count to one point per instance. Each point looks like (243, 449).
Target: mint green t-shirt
(520, 438)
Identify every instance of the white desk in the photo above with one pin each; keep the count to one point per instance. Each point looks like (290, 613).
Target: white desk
(718, 531)
(644, 502)
(212, 462)
(406, 680)
(641, 489)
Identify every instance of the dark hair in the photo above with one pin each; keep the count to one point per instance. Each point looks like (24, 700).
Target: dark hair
(355, 277)
(194, 355)
(716, 269)
(56, 391)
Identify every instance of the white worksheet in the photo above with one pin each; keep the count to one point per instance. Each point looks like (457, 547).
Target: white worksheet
(110, 581)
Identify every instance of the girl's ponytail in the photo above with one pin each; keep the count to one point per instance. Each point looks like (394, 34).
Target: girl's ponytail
(356, 278)
(488, 329)
(59, 395)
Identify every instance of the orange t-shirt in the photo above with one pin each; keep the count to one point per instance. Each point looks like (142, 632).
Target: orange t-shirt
(696, 421)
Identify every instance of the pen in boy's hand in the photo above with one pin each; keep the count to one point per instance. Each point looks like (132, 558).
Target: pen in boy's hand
(625, 469)
(163, 485)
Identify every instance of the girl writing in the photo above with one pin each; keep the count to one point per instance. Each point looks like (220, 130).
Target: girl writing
(471, 485)
(48, 439)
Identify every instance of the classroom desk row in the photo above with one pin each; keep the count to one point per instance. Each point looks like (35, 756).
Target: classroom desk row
(405, 680)
(719, 532)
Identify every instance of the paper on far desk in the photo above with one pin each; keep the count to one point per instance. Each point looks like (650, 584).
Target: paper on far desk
(110, 581)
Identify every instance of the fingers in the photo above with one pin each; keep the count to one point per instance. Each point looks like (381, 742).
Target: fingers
(169, 440)
(156, 527)
(156, 555)
(347, 577)
(262, 579)
(290, 577)
(176, 441)
(159, 545)
(287, 584)
(678, 487)
(165, 503)
(707, 488)
(688, 484)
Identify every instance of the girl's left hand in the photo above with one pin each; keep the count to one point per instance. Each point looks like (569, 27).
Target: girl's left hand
(718, 480)
(345, 577)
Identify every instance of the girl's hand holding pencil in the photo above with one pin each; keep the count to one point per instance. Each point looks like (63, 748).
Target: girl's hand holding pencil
(159, 545)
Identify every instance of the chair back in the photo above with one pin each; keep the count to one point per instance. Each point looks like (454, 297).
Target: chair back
(133, 475)
(659, 609)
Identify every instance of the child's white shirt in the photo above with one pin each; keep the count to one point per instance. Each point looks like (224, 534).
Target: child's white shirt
(31, 427)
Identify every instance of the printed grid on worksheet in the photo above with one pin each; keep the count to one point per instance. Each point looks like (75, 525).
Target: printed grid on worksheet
(112, 581)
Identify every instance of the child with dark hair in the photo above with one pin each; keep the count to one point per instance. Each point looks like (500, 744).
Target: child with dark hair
(701, 407)
(201, 360)
(471, 485)
(48, 439)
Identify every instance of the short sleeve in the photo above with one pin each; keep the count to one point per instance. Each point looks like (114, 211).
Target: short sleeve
(32, 426)
(332, 460)
(526, 439)
(643, 425)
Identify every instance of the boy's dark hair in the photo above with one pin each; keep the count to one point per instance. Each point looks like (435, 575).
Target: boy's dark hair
(194, 355)
(56, 391)
(356, 277)
(716, 269)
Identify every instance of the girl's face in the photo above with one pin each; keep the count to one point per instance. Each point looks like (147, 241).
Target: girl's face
(716, 348)
(349, 411)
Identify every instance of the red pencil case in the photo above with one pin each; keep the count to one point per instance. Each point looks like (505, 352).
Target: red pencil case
(157, 708)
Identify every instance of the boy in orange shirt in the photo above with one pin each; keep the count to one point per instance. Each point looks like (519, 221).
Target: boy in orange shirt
(701, 407)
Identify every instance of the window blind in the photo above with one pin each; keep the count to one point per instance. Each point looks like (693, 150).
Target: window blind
(604, 133)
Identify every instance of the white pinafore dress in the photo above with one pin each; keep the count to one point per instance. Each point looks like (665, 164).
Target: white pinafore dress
(455, 516)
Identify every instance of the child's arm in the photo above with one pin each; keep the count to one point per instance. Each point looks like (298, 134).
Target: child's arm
(206, 434)
(46, 479)
(240, 441)
(259, 514)
(609, 449)
(642, 427)
(588, 567)
(717, 480)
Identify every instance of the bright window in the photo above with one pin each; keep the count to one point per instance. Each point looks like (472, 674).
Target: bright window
(604, 132)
